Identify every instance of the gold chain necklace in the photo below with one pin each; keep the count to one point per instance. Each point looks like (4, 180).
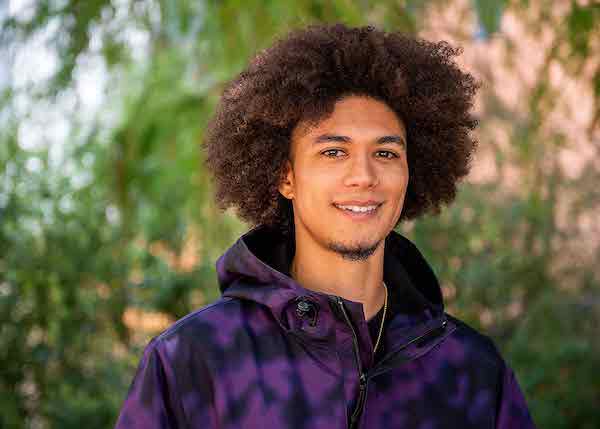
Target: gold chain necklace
(382, 319)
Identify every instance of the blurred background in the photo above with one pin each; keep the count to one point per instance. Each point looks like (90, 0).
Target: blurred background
(108, 232)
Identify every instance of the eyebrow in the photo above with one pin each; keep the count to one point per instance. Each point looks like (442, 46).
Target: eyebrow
(327, 138)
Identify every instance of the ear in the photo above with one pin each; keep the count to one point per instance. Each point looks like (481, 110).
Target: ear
(286, 183)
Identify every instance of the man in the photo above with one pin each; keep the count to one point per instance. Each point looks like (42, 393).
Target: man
(328, 318)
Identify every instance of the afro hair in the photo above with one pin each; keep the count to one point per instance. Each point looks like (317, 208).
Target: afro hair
(301, 77)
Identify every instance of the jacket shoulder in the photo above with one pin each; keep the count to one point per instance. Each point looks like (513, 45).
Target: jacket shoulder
(220, 314)
(481, 346)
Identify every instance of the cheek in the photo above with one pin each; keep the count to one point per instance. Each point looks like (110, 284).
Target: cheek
(396, 185)
(396, 181)
(314, 188)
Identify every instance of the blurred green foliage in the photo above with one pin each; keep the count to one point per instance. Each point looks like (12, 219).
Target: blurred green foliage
(110, 215)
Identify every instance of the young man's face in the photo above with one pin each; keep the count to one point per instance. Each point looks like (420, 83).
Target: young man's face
(348, 176)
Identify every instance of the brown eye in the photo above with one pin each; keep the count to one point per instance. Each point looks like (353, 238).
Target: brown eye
(331, 153)
(388, 154)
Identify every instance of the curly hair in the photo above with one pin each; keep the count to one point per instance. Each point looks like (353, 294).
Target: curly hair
(301, 77)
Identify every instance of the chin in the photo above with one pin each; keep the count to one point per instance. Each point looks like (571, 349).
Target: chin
(354, 250)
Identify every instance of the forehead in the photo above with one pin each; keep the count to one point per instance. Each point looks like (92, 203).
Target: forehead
(361, 116)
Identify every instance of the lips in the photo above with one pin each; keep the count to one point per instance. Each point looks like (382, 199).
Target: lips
(361, 203)
(357, 205)
(358, 208)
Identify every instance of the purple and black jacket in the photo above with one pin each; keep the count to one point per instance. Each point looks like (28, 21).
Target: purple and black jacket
(272, 354)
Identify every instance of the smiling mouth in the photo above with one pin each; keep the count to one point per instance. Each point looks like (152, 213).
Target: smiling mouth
(358, 211)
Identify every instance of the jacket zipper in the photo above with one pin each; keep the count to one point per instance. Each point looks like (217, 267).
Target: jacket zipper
(364, 378)
(380, 368)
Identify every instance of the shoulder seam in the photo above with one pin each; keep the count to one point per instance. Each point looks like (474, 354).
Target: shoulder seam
(465, 327)
(175, 327)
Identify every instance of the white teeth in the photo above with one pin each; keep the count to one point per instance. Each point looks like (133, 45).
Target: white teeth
(358, 209)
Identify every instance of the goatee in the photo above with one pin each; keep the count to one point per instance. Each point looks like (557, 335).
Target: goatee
(353, 253)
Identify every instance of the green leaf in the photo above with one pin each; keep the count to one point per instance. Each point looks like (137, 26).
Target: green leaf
(489, 14)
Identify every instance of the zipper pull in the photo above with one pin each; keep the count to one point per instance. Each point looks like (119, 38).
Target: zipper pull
(360, 402)
(431, 334)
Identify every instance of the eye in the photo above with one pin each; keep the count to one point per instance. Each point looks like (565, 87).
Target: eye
(387, 154)
(331, 153)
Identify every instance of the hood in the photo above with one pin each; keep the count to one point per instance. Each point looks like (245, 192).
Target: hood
(256, 268)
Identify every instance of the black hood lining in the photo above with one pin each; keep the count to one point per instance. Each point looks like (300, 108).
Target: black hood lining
(412, 283)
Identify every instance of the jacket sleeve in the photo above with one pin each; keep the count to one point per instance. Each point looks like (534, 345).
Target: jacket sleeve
(512, 412)
(152, 401)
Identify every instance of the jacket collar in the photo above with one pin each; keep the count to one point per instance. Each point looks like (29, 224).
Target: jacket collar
(256, 268)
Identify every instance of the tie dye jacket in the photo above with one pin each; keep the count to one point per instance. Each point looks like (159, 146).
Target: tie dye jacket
(271, 354)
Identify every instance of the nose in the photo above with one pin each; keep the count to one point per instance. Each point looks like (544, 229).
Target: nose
(362, 172)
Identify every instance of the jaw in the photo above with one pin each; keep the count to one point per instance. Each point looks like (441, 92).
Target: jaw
(354, 251)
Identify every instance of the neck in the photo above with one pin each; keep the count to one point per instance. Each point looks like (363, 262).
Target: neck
(323, 270)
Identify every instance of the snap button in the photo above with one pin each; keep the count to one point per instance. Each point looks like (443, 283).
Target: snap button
(306, 309)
